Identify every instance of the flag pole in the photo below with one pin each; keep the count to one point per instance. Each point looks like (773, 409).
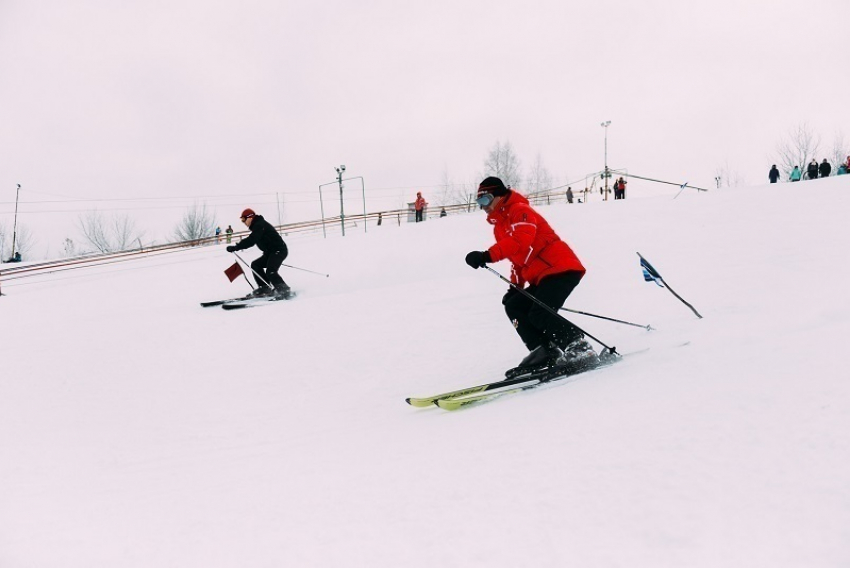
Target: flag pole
(252, 270)
(654, 273)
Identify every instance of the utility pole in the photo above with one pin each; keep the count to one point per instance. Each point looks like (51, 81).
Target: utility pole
(15, 226)
(605, 125)
(339, 171)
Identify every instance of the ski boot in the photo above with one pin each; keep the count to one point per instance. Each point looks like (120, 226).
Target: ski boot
(578, 356)
(283, 292)
(540, 358)
(261, 292)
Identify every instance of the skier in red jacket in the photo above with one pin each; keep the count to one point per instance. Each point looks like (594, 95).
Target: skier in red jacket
(544, 262)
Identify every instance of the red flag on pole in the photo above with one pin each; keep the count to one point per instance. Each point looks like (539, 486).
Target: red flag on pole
(234, 271)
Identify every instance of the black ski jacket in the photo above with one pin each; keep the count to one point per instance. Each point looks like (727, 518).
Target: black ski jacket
(264, 236)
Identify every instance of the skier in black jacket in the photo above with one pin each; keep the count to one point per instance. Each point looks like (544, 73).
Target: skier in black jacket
(274, 250)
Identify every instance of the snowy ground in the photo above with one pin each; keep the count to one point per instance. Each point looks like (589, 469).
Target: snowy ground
(139, 430)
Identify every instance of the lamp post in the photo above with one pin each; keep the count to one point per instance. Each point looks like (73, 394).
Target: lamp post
(15, 225)
(339, 171)
(605, 125)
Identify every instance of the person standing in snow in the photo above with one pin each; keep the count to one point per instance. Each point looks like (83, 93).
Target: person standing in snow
(620, 188)
(569, 195)
(796, 174)
(419, 205)
(266, 267)
(812, 170)
(774, 174)
(544, 262)
(824, 169)
(229, 232)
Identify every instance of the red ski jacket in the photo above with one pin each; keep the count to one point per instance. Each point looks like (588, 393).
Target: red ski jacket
(525, 238)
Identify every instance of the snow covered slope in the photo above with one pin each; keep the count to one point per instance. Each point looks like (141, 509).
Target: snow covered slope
(138, 429)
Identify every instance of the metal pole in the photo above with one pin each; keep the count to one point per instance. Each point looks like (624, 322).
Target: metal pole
(260, 278)
(605, 125)
(339, 171)
(15, 227)
(322, 206)
(363, 188)
(279, 222)
(612, 350)
(646, 327)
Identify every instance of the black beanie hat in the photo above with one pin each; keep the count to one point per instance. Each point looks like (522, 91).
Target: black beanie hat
(492, 185)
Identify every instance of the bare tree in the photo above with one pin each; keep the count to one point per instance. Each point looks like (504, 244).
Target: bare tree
(198, 223)
(2, 241)
(69, 249)
(798, 148)
(112, 234)
(539, 179)
(24, 240)
(503, 163)
(840, 151)
(454, 193)
(728, 177)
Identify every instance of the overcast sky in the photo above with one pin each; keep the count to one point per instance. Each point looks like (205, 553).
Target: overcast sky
(106, 99)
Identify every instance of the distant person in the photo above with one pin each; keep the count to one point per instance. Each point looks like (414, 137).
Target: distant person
(217, 235)
(229, 232)
(419, 205)
(443, 212)
(796, 174)
(266, 267)
(620, 188)
(842, 169)
(812, 170)
(380, 218)
(569, 195)
(547, 265)
(15, 257)
(824, 169)
(774, 174)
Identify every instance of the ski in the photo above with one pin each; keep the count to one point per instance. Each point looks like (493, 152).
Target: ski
(421, 402)
(456, 402)
(220, 302)
(253, 302)
(460, 398)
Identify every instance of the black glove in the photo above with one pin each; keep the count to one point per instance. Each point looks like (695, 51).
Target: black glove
(476, 259)
(231, 248)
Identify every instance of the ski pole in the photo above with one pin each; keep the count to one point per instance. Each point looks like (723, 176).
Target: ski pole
(260, 278)
(305, 270)
(612, 350)
(646, 327)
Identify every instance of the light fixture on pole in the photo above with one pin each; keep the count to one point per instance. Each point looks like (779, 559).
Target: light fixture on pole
(605, 125)
(15, 226)
(339, 171)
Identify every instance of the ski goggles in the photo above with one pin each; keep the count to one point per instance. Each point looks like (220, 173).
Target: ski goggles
(484, 199)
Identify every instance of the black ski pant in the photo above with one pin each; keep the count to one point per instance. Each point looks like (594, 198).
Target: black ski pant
(534, 324)
(266, 268)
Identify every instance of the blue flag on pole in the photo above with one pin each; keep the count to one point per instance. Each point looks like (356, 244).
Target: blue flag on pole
(650, 274)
